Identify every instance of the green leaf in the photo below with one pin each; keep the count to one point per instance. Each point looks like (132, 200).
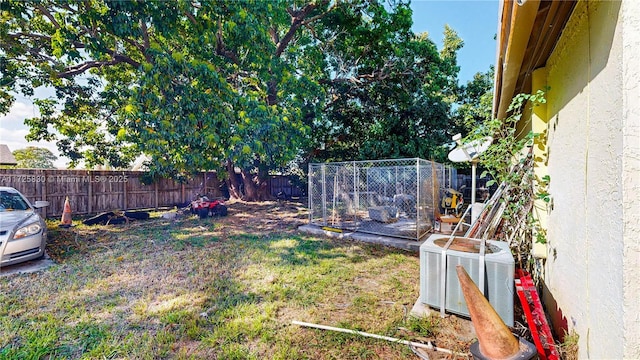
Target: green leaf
(122, 133)
(177, 56)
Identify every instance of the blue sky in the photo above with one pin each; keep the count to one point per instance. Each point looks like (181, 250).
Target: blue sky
(475, 21)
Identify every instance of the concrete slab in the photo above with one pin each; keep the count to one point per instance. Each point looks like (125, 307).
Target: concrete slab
(421, 310)
(27, 267)
(410, 245)
(460, 326)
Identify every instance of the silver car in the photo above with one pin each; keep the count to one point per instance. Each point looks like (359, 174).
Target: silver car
(23, 232)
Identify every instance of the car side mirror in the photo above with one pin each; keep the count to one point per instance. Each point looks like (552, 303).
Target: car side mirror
(40, 204)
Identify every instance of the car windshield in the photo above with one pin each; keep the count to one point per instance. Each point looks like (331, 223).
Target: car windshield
(12, 201)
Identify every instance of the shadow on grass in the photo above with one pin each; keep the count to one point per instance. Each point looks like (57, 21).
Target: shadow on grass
(291, 250)
(159, 285)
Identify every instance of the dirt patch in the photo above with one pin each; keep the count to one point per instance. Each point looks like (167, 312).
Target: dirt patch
(266, 216)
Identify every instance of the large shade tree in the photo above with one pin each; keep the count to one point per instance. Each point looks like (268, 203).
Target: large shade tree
(392, 90)
(222, 84)
(194, 85)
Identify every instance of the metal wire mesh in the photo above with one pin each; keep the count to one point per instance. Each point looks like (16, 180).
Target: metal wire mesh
(387, 197)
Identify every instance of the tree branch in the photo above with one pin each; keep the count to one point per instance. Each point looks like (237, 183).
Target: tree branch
(221, 48)
(145, 40)
(273, 32)
(145, 34)
(46, 13)
(46, 38)
(135, 44)
(36, 53)
(298, 20)
(317, 17)
(190, 17)
(19, 35)
(297, 17)
(67, 7)
(80, 68)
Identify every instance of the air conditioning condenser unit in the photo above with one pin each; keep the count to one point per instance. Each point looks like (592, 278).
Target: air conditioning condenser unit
(438, 267)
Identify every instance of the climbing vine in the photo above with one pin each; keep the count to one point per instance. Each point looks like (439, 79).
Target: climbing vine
(509, 161)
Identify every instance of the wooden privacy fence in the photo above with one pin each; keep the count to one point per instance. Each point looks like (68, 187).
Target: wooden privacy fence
(281, 186)
(94, 191)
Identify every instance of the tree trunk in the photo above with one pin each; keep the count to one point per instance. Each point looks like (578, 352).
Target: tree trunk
(250, 189)
(232, 182)
(256, 187)
(262, 181)
(263, 191)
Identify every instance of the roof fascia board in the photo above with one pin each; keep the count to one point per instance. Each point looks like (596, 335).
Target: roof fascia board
(522, 18)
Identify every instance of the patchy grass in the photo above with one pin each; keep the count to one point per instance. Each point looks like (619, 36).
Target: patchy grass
(218, 288)
(569, 346)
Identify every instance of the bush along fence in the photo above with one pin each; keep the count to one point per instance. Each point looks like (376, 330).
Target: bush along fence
(95, 191)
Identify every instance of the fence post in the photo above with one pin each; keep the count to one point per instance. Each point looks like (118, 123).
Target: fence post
(124, 191)
(43, 192)
(89, 194)
(356, 196)
(204, 183)
(324, 193)
(310, 192)
(418, 183)
(155, 191)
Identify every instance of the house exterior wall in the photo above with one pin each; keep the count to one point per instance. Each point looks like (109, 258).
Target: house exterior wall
(592, 122)
(630, 16)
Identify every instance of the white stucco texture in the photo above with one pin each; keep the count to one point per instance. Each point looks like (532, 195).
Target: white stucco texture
(630, 15)
(592, 268)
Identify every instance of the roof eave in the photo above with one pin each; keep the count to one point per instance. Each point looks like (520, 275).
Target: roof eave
(528, 33)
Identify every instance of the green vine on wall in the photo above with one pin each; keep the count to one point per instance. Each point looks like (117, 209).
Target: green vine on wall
(509, 161)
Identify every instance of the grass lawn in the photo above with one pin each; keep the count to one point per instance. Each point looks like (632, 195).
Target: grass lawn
(219, 288)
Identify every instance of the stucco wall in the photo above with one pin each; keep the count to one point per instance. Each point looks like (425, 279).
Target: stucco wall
(630, 15)
(591, 280)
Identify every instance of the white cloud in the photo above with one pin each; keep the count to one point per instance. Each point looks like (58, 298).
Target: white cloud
(13, 130)
(19, 111)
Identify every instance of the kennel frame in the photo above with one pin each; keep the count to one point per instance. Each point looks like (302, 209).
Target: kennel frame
(342, 195)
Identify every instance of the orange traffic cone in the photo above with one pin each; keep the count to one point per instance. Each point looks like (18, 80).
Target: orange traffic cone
(495, 340)
(66, 214)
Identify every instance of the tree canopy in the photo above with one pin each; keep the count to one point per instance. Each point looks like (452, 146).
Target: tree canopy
(33, 157)
(474, 102)
(219, 85)
(193, 85)
(392, 92)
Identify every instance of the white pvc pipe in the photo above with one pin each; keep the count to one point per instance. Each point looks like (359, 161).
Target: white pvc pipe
(427, 346)
(474, 165)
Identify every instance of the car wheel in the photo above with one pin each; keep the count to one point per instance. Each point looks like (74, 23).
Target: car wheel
(203, 213)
